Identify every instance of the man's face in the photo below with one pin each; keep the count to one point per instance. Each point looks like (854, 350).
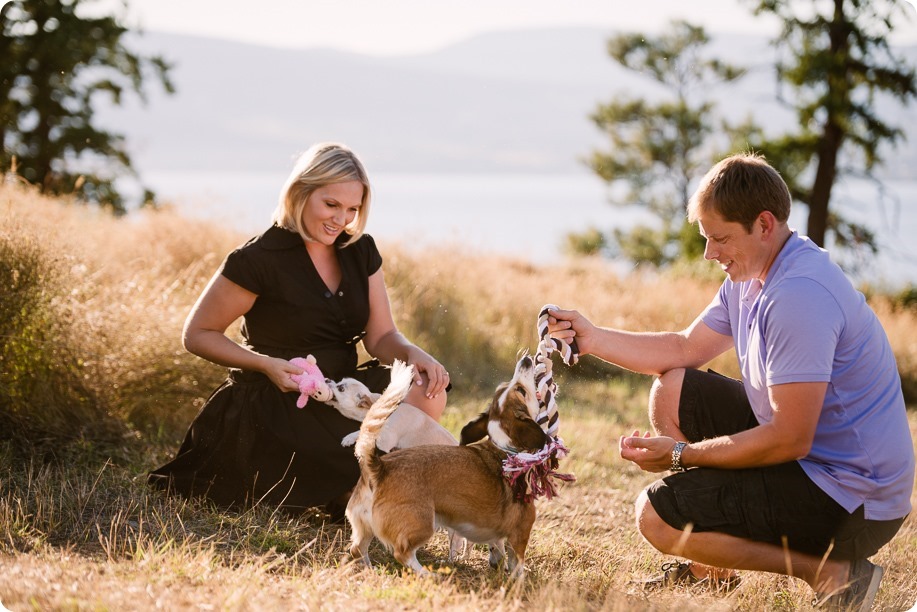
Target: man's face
(742, 255)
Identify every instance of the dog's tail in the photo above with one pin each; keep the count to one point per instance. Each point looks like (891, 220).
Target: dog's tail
(382, 408)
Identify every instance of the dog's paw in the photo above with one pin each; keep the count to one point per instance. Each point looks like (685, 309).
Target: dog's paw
(350, 439)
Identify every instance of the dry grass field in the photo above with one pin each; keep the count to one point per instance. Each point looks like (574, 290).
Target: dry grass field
(95, 390)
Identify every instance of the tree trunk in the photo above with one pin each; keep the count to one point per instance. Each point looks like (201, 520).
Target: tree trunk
(832, 138)
(7, 75)
(828, 147)
(43, 104)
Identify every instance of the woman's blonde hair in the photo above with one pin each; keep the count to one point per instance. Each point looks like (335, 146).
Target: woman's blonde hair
(322, 164)
(739, 188)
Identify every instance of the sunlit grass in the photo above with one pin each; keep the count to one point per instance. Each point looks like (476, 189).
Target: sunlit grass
(79, 528)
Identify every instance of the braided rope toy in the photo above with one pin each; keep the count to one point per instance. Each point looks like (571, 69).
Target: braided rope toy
(530, 474)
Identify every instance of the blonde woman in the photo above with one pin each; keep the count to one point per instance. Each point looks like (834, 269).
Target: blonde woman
(311, 284)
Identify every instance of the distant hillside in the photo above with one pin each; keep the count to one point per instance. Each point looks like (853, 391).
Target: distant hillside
(508, 102)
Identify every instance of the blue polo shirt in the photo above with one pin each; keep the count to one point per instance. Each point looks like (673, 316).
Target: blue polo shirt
(807, 323)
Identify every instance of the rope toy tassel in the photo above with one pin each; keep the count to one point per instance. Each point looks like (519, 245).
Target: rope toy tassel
(530, 474)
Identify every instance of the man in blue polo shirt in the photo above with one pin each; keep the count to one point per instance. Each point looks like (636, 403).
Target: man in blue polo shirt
(806, 466)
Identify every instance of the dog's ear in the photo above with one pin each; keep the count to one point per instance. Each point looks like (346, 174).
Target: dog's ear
(528, 435)
(475, 430)
(524, 432)
(365, 402)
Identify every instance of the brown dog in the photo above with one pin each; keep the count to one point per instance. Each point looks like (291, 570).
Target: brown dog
(403, 496)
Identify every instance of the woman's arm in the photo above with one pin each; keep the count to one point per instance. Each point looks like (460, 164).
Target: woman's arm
(204, 333)
(384, 342)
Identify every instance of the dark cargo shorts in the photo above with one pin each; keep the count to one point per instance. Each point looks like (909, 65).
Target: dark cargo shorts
(776, 504)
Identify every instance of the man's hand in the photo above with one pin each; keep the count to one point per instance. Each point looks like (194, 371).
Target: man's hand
(650, 453)
(567, 325)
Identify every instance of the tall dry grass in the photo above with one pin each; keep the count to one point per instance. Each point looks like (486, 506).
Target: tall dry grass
(110, 298)
(95, 305)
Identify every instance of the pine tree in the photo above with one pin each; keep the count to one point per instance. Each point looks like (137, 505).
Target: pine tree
(657, 149)
(836, 61)
(55, 62)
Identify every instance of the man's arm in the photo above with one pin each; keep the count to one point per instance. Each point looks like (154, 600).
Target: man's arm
(645, 352)
(787, 437)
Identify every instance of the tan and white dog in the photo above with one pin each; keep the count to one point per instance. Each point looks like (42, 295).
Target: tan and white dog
(407, 426)
(403, 496)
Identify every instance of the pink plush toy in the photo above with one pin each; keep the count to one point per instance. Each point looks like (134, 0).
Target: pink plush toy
(311, 382)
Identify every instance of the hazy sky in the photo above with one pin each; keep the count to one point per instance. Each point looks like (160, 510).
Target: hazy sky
(409, 26)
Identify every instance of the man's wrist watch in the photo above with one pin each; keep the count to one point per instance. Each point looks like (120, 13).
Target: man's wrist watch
(676, 457)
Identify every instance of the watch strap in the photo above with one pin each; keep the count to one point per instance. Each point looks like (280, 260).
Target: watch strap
(676, 457)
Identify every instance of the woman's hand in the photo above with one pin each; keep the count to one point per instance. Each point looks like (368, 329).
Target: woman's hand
(436, 374)
(279, 371)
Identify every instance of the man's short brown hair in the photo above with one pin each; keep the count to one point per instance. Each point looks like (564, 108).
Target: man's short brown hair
(739, 188)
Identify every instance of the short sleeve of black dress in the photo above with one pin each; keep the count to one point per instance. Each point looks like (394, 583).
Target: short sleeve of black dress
(295, 313)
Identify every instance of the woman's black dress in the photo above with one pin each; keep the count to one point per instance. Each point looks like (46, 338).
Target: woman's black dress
(250, 443)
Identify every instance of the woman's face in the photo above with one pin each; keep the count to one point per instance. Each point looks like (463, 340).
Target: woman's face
(330, 209)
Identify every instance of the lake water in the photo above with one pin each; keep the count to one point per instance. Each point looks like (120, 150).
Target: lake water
(523, 215)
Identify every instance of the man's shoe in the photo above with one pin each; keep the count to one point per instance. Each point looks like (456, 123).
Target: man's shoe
(859, 592)
(677, 573)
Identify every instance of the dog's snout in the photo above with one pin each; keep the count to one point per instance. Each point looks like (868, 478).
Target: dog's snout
(525, 363)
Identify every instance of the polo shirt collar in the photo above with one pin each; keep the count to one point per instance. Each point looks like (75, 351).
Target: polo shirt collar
(793, 244)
